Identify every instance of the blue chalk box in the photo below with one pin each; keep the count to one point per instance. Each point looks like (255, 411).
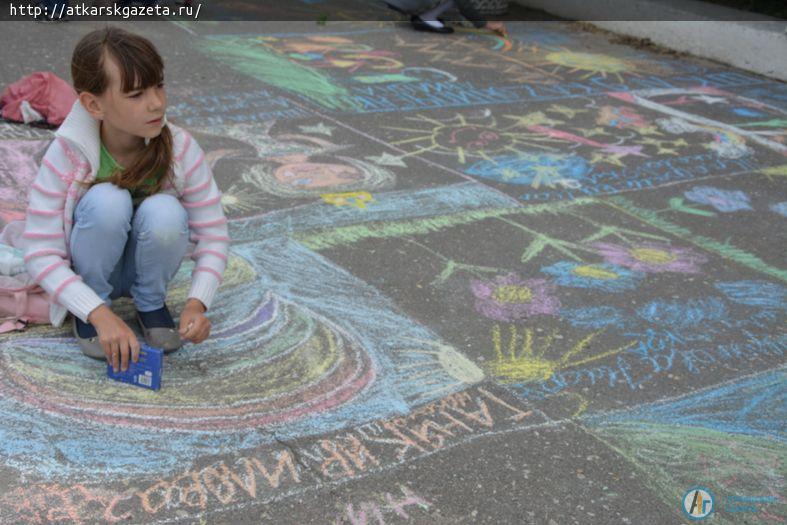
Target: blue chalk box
(145, 373)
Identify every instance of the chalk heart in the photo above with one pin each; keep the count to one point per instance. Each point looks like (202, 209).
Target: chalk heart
(275, 365)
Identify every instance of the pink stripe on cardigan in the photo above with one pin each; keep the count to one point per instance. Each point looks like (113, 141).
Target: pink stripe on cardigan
(63, 285)
(209, 270)
(200, 204)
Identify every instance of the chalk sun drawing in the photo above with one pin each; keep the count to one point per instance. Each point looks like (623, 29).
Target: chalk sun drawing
(475, 137)
(513, 363)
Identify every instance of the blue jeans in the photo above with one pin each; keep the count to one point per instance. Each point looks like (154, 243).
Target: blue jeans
(122, 252)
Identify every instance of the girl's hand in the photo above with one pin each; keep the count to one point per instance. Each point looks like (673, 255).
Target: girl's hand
(117, 340)
(194, 326)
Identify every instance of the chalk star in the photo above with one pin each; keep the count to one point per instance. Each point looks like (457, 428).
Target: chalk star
(597, 158)
(320, 129)
(710, 100)
(386, 159)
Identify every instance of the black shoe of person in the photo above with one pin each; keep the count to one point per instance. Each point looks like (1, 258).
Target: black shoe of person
(421, 25)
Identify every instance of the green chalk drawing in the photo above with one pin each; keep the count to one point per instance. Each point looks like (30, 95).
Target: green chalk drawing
(451, 266)
(775, 171)
(254, 58)
(542, 241)
(724, 249)
(677, 204)
(605, 230)
(347, 235)
(675, 458)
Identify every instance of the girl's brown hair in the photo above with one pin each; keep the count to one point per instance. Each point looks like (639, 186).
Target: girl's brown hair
(140, 67)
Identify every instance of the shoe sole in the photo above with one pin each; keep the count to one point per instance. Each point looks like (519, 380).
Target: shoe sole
(90, 347)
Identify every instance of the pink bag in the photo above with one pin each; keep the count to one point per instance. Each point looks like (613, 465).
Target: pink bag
(22, 301)
(45, 92)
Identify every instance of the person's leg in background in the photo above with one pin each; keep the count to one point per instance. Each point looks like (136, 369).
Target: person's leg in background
(424, 13)
(430, 21)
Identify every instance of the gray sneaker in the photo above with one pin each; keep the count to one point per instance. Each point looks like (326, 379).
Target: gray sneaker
(89, 344)
(165, 335)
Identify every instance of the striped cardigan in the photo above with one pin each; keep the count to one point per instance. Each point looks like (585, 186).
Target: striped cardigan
(69, 165)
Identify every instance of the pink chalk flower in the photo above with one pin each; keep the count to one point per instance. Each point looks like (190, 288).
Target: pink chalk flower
(652, 257)
(510, 298)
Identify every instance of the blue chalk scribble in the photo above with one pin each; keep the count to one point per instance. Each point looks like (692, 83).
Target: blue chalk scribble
(593, 316)
(755, 293)
(683, 314)
(780, 208)
(755, 406)
(533, 169)
(725, 201)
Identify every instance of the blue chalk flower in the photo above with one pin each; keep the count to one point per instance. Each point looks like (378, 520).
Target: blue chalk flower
(755, 293)
(604, 276)
(723, 200)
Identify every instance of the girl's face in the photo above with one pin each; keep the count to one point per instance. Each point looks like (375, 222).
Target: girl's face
(139, 112)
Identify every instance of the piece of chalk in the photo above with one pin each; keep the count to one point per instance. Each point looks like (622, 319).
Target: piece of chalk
(188, 329)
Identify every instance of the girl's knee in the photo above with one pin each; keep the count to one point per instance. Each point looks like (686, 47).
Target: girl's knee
(105, 206)
(163, 218)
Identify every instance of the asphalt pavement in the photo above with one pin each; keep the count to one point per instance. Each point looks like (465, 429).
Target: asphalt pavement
(473, 279)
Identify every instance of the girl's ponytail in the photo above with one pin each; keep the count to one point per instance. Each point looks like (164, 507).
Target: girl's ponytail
(153, 163)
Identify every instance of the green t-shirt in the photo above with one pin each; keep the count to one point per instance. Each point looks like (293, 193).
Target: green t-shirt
(107, 167)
